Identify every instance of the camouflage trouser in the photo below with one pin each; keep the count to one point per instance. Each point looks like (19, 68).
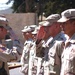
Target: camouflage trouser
(37, 68)
(46, 68)
(34, 71)
(51, 69)
(54, 70)
(24, 69)
(32, 66)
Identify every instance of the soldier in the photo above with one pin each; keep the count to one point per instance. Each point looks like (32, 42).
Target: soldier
(52, 19)
(68, 55)
(3, 32)
(33, 27)
(44, 35)
(17, 44)
(32, 68)
(7, 53)
(15, 52)
(27, 47)
(54, 46)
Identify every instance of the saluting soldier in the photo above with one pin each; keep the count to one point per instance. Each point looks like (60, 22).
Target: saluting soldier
(68, 56)
(39, 50)
(44, 35)
(49, 43)
(52, 62)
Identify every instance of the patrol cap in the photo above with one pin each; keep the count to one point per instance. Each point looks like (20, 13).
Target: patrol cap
(4, 22)
(27, 29)
(53, 17)
(2, 19)
(36, 30)
(33, 27)
(44, 23)
(67, 14)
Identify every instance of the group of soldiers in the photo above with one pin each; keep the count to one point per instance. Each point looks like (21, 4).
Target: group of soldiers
(48, 49)
(52, 52)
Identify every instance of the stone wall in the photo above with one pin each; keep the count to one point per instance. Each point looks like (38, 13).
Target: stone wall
(19, 20)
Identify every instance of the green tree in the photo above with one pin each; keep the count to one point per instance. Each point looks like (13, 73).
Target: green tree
(22, 6)
(40, 6)
(57, 6)
(19, 6)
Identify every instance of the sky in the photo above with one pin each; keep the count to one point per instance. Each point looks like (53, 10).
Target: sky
(4, 6)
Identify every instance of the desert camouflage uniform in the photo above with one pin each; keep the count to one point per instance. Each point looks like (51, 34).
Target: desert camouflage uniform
(15, 51)
(25, 56)
(54, 54)
(3, 59)
(68, 58)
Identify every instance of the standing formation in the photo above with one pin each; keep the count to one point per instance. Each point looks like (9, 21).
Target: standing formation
(49, 47)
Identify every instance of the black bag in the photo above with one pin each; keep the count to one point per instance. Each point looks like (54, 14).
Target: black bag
(2, 70)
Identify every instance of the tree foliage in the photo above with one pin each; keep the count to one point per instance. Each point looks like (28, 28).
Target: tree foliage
(22, 6)
(57, 6)
(40, 6)
(19, 6)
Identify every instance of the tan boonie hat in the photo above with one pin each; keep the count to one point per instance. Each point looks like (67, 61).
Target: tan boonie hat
(66, 15)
